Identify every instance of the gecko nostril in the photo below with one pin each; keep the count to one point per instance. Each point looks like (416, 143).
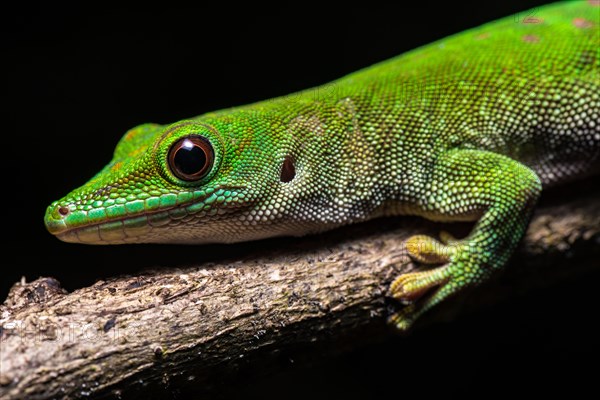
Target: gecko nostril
(64, 211)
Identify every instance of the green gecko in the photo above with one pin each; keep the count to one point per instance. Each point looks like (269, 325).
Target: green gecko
(469, 128)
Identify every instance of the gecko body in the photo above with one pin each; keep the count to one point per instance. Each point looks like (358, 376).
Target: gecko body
(469, 128)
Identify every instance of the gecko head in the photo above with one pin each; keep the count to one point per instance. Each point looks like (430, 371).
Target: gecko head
(190, 182)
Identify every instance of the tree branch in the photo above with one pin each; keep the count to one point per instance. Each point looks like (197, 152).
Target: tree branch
(198, 325)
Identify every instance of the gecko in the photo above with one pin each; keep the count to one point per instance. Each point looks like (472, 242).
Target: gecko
(469, 128)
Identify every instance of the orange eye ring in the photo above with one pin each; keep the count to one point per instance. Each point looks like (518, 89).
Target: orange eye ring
(191, 158)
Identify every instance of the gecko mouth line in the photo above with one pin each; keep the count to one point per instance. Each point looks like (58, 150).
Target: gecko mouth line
(60, 230)
(139, 224)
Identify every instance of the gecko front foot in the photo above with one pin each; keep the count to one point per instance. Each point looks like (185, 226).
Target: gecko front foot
(424, 249)
(496, 191)
(422, 290)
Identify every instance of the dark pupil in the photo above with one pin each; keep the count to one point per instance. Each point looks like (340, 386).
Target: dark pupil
(190, 158)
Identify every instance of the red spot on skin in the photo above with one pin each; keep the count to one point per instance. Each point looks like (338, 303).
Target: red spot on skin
(594, 3)
(131, 134)
(531, 38)
(482, 36)
(533, 20)
(582, 23)
(117, 166)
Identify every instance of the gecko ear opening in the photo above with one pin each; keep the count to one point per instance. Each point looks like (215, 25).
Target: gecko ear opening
(288, 170)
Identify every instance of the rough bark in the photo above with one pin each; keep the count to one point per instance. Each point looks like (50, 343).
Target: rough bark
(198, 325)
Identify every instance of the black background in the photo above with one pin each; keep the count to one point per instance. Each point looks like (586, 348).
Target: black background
(79, 78)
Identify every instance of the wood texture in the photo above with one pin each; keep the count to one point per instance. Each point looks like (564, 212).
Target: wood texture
(200, 325)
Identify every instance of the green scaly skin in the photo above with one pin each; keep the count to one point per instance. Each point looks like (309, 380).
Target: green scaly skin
(469, 128)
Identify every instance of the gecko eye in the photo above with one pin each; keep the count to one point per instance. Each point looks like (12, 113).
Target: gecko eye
(191, 158)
